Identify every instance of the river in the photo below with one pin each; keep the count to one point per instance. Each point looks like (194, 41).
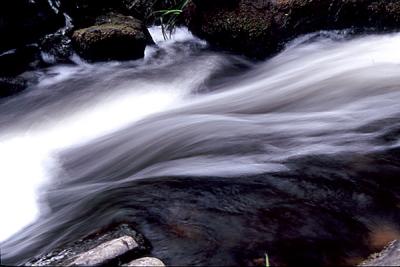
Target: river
(215, 158)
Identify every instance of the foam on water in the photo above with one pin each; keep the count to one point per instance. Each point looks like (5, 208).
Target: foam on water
(26, 157)
(303, 133)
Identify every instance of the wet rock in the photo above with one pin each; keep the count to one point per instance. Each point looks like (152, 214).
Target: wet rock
(241, 26)
(13, 67)
(145, 9)
(84, 12)
(16, 61)
(22, 24)
(390, 256)
(11, 85)
(258, 28)
(56, 48)
(113, 37)
(112, 246)
(145, 261)
(24, 21)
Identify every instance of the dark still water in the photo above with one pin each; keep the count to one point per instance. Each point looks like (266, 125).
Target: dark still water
(214, 158)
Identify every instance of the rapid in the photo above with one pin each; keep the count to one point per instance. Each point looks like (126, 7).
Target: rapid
(215, 158)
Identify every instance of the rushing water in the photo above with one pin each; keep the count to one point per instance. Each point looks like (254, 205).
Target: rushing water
(214, 158)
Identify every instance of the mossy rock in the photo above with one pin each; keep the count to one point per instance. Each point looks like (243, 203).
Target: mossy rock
(114, 37)
(258, 28)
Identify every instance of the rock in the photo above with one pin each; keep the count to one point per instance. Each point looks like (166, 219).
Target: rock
(56, 48)
(145, 9)
(146, 261)
(84, 12)
(16, 61)
(390, 256)
(240, 27)
(258, 28)
(11, 85)
(142, 9)
(13, 64)
(22, 24)
(24, 21)
(106, 252)
(113, 37)
(109, 246)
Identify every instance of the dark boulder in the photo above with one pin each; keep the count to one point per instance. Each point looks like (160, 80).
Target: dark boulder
(241, 26)
(56, 48)
(23, 22)
(16, 61)
(259, 27)
(145, 9)
(11, 85)
(15, 66)
(84, 12)
(113, 37)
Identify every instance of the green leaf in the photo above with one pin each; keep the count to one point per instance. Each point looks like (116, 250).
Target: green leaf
(169, 17)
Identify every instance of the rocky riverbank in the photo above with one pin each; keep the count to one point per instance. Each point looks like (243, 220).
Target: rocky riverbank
(39, 33)
(124, 246)
(120, 245)
(259, 28)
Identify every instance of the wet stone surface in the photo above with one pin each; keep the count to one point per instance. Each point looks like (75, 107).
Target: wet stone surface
(115, 246)
(145, 261)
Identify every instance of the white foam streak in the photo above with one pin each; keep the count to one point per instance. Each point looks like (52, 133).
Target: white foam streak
(22, 165)
(310, 99)
(26, 158)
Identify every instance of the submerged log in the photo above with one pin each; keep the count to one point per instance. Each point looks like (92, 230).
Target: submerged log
(112, 246)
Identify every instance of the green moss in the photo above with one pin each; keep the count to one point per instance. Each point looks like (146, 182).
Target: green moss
(257, 28)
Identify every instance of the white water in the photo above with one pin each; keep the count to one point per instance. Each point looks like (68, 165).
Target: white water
(26, 157)
(309, 99)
